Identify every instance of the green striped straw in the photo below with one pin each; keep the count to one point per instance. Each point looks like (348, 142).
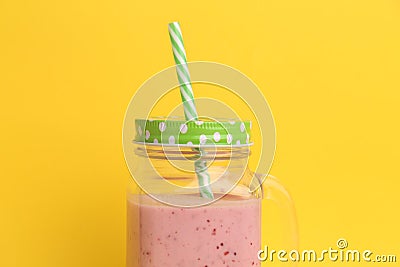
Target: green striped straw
(189, 107)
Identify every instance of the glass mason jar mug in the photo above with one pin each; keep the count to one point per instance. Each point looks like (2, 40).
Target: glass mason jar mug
(194, 201)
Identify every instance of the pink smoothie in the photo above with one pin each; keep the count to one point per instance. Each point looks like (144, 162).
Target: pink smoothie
(225, 233)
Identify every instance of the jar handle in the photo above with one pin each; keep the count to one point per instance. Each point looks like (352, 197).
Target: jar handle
(273, 192)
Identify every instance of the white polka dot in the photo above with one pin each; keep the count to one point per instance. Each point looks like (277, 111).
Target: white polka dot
(229, 138)
(140, 130)
(183, 128)
(217, 136)
(155, 141)
(171, 140)
(203, 139)
(190, 143)
(247, 138)
(238, 142)
(242, 128)
(147, 134)
(251, 124)
(199, 122)
(162, 126)
(232, 122)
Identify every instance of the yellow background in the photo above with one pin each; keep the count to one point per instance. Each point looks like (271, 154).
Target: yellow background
(329, 69)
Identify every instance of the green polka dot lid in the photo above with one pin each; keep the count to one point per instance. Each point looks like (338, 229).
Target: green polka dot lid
(193, 133)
